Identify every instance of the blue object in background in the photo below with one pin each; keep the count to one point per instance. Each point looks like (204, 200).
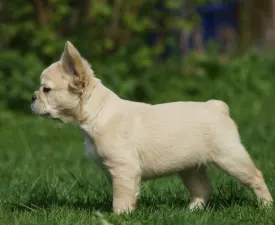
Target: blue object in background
(215, 16)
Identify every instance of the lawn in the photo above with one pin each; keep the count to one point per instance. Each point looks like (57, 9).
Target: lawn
(46, 179)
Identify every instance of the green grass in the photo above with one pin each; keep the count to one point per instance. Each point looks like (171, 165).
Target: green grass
(46, 179)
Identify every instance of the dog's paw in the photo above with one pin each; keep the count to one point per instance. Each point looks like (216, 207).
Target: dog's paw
(196, 205)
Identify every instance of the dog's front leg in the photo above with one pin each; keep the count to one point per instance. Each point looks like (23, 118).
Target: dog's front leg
(125, 181)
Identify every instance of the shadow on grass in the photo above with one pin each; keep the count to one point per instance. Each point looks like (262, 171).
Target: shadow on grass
(230, 195)
(102, 201)
(42, 203)
(217, 203)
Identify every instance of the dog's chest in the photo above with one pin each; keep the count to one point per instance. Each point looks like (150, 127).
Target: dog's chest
(92, 152)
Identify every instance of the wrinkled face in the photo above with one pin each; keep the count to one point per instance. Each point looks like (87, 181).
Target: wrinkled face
(61, 86)
(54, 99)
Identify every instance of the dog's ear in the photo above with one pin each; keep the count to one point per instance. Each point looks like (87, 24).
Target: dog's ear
(76, 67)
(71, 60)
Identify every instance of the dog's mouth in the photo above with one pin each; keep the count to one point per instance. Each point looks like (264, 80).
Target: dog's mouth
(47, 115)
(36, 112)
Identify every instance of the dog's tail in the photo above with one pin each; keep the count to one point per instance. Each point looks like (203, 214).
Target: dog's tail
(220, 105)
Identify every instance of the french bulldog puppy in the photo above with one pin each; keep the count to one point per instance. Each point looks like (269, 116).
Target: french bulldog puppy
(133, 141)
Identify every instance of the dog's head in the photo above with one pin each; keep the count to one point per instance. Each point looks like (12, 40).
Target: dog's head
(64, 86)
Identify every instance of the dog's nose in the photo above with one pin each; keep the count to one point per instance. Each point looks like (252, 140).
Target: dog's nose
(34, 98)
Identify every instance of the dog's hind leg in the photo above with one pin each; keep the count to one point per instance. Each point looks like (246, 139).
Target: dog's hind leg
(195, 180)
(235, 160)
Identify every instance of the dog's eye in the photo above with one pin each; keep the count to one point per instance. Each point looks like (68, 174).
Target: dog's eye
(46, 89)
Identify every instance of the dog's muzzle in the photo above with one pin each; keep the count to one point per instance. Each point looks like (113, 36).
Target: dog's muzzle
(34, 97)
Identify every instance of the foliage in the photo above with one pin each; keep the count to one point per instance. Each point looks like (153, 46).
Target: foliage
(19, 77)
(98, 28)
(131, 45)
(193, 78)
(121, 36)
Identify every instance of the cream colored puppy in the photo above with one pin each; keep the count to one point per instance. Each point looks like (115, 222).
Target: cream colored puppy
(134, 141)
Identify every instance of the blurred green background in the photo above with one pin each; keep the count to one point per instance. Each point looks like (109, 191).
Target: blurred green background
(151, 51)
